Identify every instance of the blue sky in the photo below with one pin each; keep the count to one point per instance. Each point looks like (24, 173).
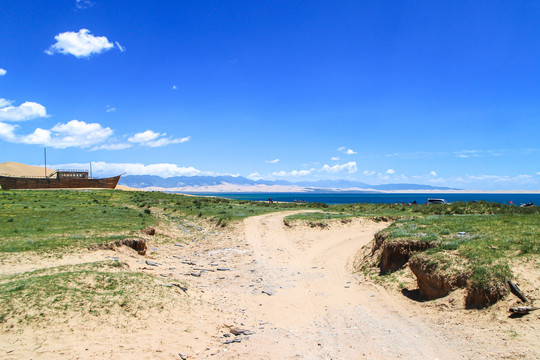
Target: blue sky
(439, 93)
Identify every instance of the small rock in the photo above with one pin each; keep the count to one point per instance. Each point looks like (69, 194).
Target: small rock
(151, 263)
(269, 293)
(226, 335)
(237, 331)
(222, 269)
(183, 288)
(180, 245)
(155, 249)
(235, 340)
(182, 356)
(195, 274)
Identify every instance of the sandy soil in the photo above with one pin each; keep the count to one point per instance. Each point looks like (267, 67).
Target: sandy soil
(291, 287)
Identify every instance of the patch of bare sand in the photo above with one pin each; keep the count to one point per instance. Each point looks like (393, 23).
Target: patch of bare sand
(312, 306)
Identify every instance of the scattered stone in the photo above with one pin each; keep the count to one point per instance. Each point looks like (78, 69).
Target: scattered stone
(182, 356)
(227, 335)
(222, 269)
(237, 331)
(235, 340)
(269, 293)
(347, 286)
(179, 245)
(189, 263)
(517, 291)
(183, 288)
(151, 263)
(522, 310)
(195, 274)
(204, 270)
(154, 249)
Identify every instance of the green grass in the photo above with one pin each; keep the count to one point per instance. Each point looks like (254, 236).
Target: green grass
(46, 220)
(62, 219)
(90, 289)
(489, 243)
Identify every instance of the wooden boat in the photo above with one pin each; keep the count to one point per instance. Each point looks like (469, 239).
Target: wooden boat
(60, 179)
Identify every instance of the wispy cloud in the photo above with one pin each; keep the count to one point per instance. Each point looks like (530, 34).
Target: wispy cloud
(110, 109)
(154, 139)
(349, 168)
(83, 4)
(26, 111)
(160, 169)
(369, 173)
(390, 172)
(292, 173)
(347, 151)
(80, 44)
(334, 158)
(2, 72)
(275, 161)
(174, 87)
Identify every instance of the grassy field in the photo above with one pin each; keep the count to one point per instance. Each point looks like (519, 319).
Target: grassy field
(61, 219)
(482, 239)
(46, 295)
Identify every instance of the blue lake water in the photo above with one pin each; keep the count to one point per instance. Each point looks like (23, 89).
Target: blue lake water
(349, 198)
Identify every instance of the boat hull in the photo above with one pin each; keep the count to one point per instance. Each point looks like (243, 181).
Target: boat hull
(16, 183)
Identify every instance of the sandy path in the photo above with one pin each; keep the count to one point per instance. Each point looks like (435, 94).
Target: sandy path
(317, 309)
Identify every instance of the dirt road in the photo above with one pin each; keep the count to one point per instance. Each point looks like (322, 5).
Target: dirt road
(313, 307)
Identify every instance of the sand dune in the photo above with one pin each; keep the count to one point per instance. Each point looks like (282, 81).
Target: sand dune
(19, 169)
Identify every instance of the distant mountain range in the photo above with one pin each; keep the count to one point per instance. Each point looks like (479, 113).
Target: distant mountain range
(237, 183)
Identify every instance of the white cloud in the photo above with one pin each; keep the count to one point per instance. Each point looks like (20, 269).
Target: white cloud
(114, 146)
(272, 161)
(255, 176)
(163, 170)
(72, 134)
(174, 87)
(432, 173)
(349, 167)
(154, 139)
(390, 172)
(145, 136)
(83, 4)
(26, 111)
(7, 132)
(334, 158)
(120, 47)
(368, 173)
(80, 44)
(110, 109)
(2, 72)
(293, 173)
(347, 151)
(467, 154)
